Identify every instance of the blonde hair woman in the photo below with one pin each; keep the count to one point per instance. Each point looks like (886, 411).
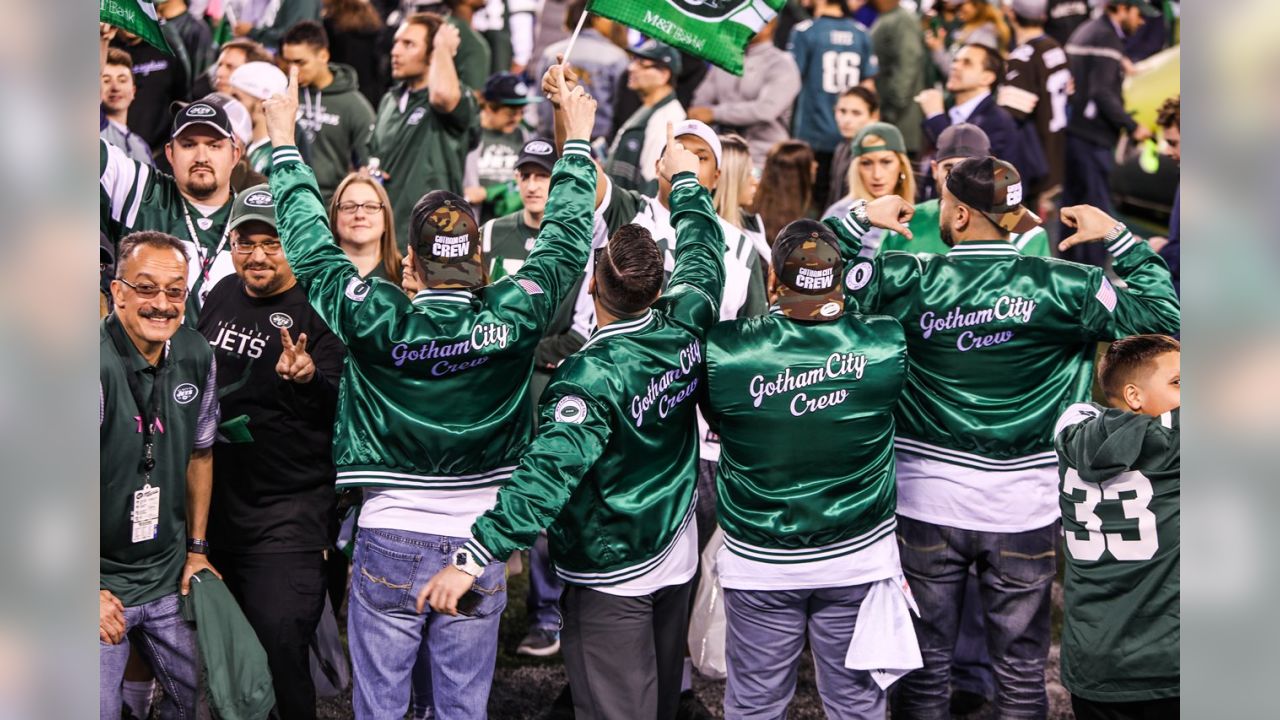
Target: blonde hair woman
(734, 199)
(880, 167)
(360, 216)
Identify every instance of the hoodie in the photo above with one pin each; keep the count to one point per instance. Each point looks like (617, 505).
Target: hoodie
(337, 123)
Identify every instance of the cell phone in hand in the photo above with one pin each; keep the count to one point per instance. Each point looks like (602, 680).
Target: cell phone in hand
(468, 603)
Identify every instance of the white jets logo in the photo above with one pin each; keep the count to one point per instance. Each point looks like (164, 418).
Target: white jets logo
(185, 393)
(571, 409)
(356, 289)
(281, 320)
(538, 147)
(200, 110)
(261, 198)
(858, 276)
(1013, 194)
(416, 116)
(831, 309)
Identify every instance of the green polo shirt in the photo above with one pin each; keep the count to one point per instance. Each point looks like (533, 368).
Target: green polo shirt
(186, 383)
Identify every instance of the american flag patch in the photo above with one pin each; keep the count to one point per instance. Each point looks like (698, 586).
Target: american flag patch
(1107, 295)
(529, 286)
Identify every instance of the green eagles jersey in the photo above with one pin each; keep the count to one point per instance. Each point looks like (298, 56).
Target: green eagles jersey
(141, 568)
(1000, 343)
(805, 417)
(421, 149)
(927, 238)
(613, 469)
(134, 196)
(435, 389)
(1120, 492)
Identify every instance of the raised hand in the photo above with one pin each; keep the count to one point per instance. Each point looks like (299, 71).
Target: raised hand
(891, 213)
(675, 158)
(551, 80)
(295, 363)
(1090, 223)
(446, 40)
(578, 109)
(282, 112)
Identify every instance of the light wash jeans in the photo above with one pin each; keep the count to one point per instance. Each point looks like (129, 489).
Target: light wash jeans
(385, 631)
(168, 643)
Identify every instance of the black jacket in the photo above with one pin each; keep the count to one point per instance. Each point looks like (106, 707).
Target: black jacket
(995, 121)
(1096, 110)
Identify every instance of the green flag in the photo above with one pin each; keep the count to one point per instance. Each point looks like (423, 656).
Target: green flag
(137, 17)
(715, 30)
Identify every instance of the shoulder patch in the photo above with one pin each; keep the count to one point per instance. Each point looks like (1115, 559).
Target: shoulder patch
(530, 287)
(571, 409)
(1107, 295)
(859, 275)
(357, 289)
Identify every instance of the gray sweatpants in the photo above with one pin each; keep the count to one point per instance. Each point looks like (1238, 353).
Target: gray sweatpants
(625, 655)
(765, 636)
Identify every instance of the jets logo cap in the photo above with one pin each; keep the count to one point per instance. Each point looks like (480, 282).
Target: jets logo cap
(538, 152)
(806, 259)
(202, 113)
(252, 204)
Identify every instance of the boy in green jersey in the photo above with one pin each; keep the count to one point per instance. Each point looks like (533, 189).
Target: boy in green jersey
(612, 473)
(1120, 473)
(434, 409)
(1000, 343)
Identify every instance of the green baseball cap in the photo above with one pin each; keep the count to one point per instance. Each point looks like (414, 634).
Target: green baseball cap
(659, 53)
(1144, 6)
(878, 136)
(253, 204)
(806, 258)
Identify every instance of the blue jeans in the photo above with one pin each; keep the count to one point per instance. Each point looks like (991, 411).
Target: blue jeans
(971, 664)
(1015, 577)
(765, 635)
(169, 645)
(385, 631)
(543, 601)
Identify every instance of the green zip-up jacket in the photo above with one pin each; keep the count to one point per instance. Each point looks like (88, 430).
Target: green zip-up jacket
(613, 470)
(435, 390)
(1001, 342)
(804, 411)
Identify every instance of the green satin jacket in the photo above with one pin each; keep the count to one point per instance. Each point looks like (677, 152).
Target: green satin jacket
(1000, 342)
(435, 389)
(804, 411)
(613, 470)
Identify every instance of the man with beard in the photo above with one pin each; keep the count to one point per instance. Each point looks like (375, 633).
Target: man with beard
(193, 204)
(426, 124)
(999, 343)
(273, 511)
(157, 416)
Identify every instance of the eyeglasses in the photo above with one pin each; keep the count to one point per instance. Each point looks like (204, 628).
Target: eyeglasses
(270, 247)
(146, 291)
(349, 208)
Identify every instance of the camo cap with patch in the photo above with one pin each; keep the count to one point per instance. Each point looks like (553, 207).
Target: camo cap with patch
(446, 239)
(806, 258)
(992, 187)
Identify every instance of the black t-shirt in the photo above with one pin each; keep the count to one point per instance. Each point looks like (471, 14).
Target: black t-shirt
(160, 80)
(275, 493)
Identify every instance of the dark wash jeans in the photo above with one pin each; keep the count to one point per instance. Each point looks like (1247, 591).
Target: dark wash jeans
(1015, 578)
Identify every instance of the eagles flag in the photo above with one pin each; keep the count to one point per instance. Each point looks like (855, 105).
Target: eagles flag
(715, 30)
(137, 17)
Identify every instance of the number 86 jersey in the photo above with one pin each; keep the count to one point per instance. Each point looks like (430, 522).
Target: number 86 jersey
(1119, 494)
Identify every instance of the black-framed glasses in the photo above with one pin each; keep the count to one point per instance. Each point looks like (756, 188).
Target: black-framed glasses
(268, 247)
(146, 291)
(349, 208)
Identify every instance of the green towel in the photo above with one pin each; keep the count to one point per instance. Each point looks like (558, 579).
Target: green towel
(234, 661)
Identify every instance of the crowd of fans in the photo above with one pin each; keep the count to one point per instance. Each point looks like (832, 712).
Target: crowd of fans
(392, 291)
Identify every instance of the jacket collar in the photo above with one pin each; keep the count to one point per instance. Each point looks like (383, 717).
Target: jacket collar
(622, 327)
(463, 297)
(983, 248)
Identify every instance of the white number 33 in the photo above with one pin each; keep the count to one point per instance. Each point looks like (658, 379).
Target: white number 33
(1090, 548)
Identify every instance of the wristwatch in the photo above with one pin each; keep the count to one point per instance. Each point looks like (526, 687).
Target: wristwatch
(466, 562)
(859, 212)
(198, 546)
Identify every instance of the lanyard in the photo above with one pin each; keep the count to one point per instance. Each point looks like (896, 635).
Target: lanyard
(206, 261)
(149, 409)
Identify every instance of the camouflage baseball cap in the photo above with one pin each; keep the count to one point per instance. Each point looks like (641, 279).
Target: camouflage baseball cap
(255, 203)
(806, 258)
(992, 187)
(446, 238)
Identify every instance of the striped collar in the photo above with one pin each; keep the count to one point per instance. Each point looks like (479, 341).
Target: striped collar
(621, 327)
(463, 297)
(985, 248)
